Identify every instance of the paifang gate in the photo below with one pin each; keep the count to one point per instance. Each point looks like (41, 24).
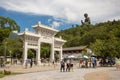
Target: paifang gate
(42, 34)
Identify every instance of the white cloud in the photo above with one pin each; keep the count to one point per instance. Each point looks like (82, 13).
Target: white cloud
(70, 10)
(49, 20)
(56, 24)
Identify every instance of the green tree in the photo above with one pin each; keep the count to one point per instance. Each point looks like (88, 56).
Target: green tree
(11, 47)
(4, 33)
(7, 25)
(45, 50)
(99, 48)
(6, 22)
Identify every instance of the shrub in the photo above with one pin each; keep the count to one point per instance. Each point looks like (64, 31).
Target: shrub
(6, 72)
(7, 62)
(1, 72)
(2, 75)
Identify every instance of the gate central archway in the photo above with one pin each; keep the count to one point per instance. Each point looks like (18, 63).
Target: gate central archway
(42, 34)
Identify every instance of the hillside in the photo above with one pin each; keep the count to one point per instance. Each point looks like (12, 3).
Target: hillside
(100, 37)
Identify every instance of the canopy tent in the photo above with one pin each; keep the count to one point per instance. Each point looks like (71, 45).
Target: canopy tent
(93, 55)
(71, 56)
(86, 57)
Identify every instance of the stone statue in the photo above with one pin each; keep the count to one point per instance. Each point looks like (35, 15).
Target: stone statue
(87, 19)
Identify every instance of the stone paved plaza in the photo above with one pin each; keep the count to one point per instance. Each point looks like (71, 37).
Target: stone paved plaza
(77, 74)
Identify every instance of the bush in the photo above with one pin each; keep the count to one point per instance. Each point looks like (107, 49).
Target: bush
(6, 72)
(1, 72)
(0, 62)
(2, 75)
(7, 62)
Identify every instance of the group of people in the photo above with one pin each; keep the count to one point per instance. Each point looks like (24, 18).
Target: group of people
(88, 63)
(93, 62)
(107, 61)
(66, 66)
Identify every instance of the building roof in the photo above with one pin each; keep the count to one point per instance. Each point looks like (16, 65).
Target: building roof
(74, 48)
(59, 39)
(39, 25)
(28, 33)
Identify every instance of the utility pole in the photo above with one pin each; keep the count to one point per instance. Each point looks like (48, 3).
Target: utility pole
(5, 50)
(10, 56)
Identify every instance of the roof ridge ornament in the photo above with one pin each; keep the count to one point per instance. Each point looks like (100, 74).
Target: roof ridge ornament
(26, 29)
(60, 37)
(39, 22)
(52, 26)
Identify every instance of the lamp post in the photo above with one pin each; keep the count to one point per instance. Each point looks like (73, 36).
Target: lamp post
(33, 58)
(5, 50)
(10, 53)
(10, 56)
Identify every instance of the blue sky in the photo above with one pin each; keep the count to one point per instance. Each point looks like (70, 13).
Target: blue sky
(61, 14)
(25, 20)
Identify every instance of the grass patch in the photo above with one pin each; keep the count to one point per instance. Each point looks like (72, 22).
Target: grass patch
(3, 75)
(15, 73)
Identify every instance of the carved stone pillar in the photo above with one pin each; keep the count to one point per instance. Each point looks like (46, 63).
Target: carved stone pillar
(25, 49)
(38, 59)
(52, 52)
(61, 54)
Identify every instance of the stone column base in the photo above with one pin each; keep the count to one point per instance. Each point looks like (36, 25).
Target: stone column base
(24, 62)
(39, 62)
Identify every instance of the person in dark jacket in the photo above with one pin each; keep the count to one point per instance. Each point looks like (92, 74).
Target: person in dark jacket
(62, 68)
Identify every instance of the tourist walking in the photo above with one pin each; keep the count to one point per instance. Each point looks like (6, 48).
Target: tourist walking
(71, 64)
(31, 63)
(80, 63)
(62, 68)
(68, 65)
(117, 61)
(93, 62)
(86, 63)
